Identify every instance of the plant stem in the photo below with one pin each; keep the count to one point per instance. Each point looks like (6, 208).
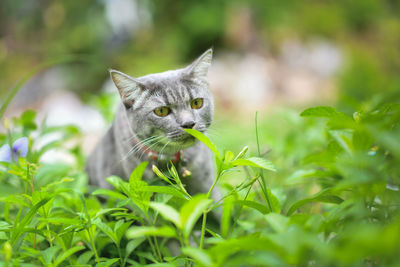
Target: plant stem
(262, 183)
(203, 229)
(120, 256)
(238, 213)
(155, 247)
(203, 225)
(93, 245)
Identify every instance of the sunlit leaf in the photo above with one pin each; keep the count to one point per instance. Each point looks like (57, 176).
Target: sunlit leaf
(199, 255)
(255, 162)
(108, 192)
(141, 231)
(321, 111)
(168, 213)
(205, 140)
(137, 173)
(191, 212)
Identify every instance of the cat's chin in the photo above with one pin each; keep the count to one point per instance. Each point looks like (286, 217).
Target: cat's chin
(183, 141)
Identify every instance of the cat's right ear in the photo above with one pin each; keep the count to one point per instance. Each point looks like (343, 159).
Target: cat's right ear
(129, 88)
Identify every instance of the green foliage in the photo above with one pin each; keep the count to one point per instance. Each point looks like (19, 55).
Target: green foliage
(344, 210)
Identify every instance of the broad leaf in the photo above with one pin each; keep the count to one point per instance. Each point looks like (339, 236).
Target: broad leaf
(205, 140)
(199, 255)
(141, 231)
(191, 212)
(137, 173)
(108, 192)
(168, 213)
(255, 162)
(321, 111)
(67, 254)
(323, 196)
(254, 205)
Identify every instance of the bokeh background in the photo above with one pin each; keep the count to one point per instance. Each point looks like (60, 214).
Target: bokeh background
(269, 56)
(267, 53)
(274, 57)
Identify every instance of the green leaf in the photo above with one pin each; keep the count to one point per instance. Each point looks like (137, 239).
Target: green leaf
(228, 157)
(223, 249)
(115, 181)
(85, 257)
(165, 190)
(199, 255)
(141, 231)
(120, 228)
(277, 222)
(168, 213)
(107, 230)
(192, 210)
(255, 162)
(140, 197)
(132, 245)
(107, 262)
(226, 216)
(321, 111)
(322, 196)
(49, 253)
(108, 192)
(17, 231)
(273, 201)
(67, 254)
(104, 211)
(344, 139)
(137, 173)
(254, 205)
(205, 140)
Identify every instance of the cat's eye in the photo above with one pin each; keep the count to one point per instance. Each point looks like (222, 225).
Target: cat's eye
(196, 103)
(162, 111)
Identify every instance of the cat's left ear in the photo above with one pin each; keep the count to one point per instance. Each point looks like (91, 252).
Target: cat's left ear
(199, 68)
(129, 88)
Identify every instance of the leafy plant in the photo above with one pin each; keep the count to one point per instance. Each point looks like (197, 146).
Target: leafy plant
(346, 212)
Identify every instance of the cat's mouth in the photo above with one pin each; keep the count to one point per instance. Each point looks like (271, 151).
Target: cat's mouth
(183, 139)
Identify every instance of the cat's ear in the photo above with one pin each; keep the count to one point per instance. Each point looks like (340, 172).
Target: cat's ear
(199, 68)
(129, 88)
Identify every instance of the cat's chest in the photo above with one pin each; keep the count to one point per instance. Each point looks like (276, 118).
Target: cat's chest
(183, 162)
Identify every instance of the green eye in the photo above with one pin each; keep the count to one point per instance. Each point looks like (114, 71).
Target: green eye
(196, 103)
(162, 111)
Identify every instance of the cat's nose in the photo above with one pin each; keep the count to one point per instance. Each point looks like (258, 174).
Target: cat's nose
(188, 124)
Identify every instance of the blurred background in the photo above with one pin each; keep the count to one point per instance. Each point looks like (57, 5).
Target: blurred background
(268, 56)
(274, 57)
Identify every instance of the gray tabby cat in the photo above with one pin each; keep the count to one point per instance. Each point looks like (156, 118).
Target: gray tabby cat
(149, 125)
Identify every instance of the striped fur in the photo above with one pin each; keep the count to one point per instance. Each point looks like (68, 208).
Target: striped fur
(118, 153)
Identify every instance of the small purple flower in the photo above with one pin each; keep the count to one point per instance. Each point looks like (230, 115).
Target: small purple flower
(19, 149)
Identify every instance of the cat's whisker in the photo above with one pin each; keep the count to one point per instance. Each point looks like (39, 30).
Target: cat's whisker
(160, 153)
(139, 145)
(136, 148)
(127, 140)
(214, 132)
(149, 147)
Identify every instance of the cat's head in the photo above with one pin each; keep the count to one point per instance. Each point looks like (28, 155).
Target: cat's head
(160, 106)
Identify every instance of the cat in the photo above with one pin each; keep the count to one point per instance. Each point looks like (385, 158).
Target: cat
(149, 126)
